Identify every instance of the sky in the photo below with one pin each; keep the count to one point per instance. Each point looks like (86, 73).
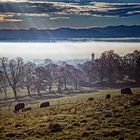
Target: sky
(51, 14)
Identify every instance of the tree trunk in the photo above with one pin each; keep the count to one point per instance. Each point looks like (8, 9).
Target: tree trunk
(90, 82)
(76, 84)
(15, 92)
(59, 86)
(5, 92)
(65, 83)
(28, 89)
(50, 88)
(101, 80)
(38, 86)
(102, 71)
(38, 90)
(110, 74)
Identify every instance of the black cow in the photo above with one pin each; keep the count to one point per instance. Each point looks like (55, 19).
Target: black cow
(126, 91)
(108, 96)
(45, 104)
(18, 107)
(27, 109)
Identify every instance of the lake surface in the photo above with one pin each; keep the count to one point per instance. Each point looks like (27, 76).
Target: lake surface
(64, 50)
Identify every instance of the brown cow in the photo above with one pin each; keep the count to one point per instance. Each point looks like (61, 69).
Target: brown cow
(126, 91)
(108, 96)
(18, 107)
(45, 104)
(26, 109)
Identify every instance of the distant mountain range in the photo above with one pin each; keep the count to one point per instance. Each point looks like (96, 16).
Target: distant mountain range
(69, 34)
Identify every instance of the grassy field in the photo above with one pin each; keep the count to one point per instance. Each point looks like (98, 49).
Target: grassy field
(61, 98)
(76, 118)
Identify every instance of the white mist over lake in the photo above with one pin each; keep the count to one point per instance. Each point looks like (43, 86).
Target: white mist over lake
(64, 50)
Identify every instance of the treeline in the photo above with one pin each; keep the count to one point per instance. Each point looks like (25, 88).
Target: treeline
(110, 67)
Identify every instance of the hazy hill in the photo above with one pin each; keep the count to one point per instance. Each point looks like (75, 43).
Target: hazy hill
(68, 33)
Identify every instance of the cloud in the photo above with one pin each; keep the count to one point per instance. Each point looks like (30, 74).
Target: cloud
(93, 8)
(57, 18)
(13, 0)
(9, 18)
(43, 12)
(2, 19)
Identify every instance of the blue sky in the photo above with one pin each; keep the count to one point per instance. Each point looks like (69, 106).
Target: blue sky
(42, 14)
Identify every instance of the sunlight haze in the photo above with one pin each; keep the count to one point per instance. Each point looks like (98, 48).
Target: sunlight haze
(64, 50)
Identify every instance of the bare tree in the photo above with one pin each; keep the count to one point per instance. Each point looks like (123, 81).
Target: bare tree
(28, 77)
(39, 72)
(66, 75)
(90, 68)
(59, 77)
(51, 75)
(76, 75)
(12, 70)
(132, 65)
(62, 74)
(111, 66)
(3, 83)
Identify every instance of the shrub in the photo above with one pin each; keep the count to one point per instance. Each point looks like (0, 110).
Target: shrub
(90, 99)
(55, 127)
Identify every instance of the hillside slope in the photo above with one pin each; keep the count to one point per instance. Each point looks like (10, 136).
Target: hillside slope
(100, 119)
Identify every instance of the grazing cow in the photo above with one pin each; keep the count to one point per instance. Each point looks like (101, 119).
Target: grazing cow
(126, 91)
(26, 109)
(45, 104)
(90, 99)
(18, 107)
(108, 96)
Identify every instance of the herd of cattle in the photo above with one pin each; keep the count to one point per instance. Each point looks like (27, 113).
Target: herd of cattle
(21, 106)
